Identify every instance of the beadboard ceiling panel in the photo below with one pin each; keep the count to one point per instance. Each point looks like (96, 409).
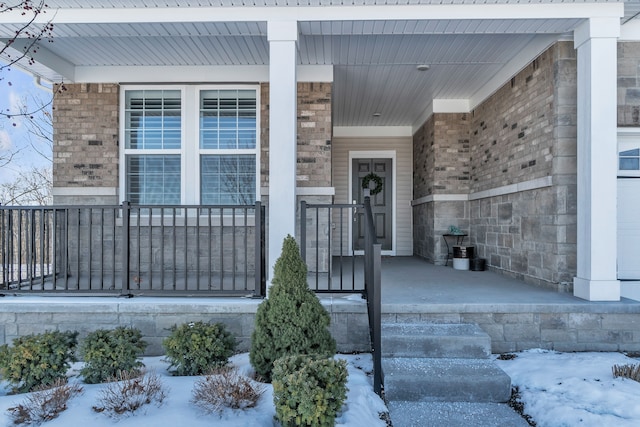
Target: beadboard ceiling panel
(374, 61)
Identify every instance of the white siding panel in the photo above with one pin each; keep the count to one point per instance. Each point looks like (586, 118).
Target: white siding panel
(403, 148)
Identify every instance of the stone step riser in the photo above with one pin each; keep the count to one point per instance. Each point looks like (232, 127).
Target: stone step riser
(436, 347)
(453, 380)
(434, 341)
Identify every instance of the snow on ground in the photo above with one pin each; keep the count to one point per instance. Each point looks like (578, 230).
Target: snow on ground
(558, 390)
(575, 389)
(361, 409)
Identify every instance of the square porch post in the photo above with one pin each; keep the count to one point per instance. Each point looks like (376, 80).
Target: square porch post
(282, 38)
(596, 44)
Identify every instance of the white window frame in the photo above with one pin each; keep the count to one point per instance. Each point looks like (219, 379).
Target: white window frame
(628, 139)
(190, 150)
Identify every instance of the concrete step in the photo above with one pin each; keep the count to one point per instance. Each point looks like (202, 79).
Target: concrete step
(444, 380)
(453, 414)
(435, 340)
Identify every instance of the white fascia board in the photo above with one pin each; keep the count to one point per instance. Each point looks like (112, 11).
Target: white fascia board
(372, 131)
(451, 106)
(196, 74)
(441, 106)
(422, 118)
(45, 58)
(630, 31)
(324, 13)
(315, 73)
(537, 45)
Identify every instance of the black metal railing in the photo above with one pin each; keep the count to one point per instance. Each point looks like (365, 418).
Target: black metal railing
(334, 266)
(134, 249)
(324, 245)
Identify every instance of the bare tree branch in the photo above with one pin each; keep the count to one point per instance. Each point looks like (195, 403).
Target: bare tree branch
(33, 32)
(31, 187)
(28, 30)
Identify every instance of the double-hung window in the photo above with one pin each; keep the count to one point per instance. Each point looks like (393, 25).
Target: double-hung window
(190, 145)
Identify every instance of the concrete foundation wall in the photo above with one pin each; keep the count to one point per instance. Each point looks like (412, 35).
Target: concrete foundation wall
(512, 327)
(154, 317)
(516, 327)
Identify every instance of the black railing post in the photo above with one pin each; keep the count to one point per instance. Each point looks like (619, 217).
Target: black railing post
(303, 230)
(126, 212)
(260, 279)
(377, 321)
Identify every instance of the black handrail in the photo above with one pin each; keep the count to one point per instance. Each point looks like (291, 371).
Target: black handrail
(372, 283)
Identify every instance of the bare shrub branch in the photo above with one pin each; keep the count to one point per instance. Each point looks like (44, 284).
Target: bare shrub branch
(44, 404)
(129, 392)
(226, 389)
(627, 371)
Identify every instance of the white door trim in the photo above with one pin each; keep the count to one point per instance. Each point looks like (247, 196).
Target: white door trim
(377, 154)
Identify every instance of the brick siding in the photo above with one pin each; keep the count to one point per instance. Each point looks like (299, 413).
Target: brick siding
(314, 135)
(85, 133)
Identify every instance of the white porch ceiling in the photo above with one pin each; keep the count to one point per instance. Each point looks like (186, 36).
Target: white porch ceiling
(374, 61)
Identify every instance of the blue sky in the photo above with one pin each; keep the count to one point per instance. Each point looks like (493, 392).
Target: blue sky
(17, 87)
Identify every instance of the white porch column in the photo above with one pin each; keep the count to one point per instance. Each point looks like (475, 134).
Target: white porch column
(596, 43)
(282, 38)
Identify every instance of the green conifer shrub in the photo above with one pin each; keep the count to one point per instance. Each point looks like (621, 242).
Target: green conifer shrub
(197, 348)
(37, 360)
(106, 353)
(309, 390)
(292, 320)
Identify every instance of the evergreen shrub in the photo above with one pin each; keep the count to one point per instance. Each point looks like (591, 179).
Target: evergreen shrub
(292, 320)
(37, 360)
(106, 353)
(197, 348)
(309, 390)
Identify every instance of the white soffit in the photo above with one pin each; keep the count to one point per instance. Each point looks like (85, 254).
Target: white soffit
(370, 53)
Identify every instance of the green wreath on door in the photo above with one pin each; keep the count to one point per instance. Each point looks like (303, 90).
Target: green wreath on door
(376, 180)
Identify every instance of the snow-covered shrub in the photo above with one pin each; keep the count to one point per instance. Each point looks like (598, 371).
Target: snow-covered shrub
(37, 360)
(106, 353)
(308, 390)
(44, 404)
(197, 348)
(226, 388)
(292, 320)
(128, 393)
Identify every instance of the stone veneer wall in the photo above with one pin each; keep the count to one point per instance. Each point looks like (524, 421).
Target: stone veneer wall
(85, 133)
(524, 133)
(629, 84)
(441, 160)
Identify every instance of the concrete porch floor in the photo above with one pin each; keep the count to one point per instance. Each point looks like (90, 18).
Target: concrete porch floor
(414, 281)
(516, 315)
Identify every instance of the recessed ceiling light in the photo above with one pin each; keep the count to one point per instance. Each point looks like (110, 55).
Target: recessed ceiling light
(422, 67)
(376, 114)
